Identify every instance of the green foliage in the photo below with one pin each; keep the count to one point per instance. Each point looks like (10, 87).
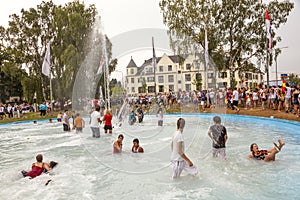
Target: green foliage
(144, 85)
(294, 80)
(68, 28)
(198, 83)
(236, 29)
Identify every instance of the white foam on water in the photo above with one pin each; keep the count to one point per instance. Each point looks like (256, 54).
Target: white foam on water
(87, 168)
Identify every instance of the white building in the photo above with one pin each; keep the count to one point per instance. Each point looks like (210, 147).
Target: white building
(186, 73)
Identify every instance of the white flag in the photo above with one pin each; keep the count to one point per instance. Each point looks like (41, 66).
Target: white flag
(46, 63)
(269, 29)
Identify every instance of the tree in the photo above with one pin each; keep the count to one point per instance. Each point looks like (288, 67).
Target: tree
(236, 32)
(69, 29)
(294, 80)
(198, 83)
(144, 85)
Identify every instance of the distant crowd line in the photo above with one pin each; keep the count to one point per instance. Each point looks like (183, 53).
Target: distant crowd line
(277, 98)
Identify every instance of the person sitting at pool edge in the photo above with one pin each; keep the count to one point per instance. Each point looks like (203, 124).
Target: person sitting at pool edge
(117, 147)
(38, 167)
(265, 155)
(136, 148)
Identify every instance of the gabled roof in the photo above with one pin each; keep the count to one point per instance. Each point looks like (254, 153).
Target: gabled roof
(131, 63)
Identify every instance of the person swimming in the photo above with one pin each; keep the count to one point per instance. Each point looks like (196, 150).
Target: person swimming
(39, 167)
(265, 155)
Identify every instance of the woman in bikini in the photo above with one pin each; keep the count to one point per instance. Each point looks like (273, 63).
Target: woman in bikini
(265, 155)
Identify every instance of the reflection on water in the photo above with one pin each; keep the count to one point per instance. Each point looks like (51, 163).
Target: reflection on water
(88, 170)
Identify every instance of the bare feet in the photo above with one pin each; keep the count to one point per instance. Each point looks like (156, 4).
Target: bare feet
(281, 143)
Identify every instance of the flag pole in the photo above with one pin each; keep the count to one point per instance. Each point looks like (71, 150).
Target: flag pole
(154, 65)
(51, 94)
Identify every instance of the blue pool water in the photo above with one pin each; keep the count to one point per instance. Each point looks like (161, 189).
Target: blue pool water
(88, 170)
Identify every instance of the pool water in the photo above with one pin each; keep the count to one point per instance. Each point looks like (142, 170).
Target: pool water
(87, 168)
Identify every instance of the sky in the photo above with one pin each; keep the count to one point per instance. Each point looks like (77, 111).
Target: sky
(123, 22)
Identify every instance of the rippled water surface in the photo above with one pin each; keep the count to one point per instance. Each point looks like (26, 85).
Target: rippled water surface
(88, 170)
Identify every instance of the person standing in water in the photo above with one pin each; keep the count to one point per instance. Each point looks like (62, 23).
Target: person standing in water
(160, 117)
(107, 118)
(66, 123)
(94, 121)
(78, 123)
(218, 135)
(178, 158)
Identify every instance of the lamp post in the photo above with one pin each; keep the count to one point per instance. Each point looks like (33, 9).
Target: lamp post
(122, 77)
(277, 52)
(123, 83)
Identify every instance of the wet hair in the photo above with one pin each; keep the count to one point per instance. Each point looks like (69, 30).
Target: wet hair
(97, 108)
(52, 164)
(180, 123)
(39, 158)
(251, 146)
(136, 140)
(217, 119)
(122, 136)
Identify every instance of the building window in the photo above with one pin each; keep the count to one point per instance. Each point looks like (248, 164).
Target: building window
(149, 69)
(188, 66)
(187, 77)
(161, 88)
(210, 85)
(151, 89)
(131, 71)
(198, 76)
(169, 68)
(187, 87)
(141, 90)
(179, 72)
(171, 88)
(132, 80)
(161, 68)
(132, 89)
(160, 79)
(222, 84)
(222, 74)
(150, 79)
(140, 80)
(197, 65)
(179, 81)
(210, 75)
(171, 78)
(248, 76)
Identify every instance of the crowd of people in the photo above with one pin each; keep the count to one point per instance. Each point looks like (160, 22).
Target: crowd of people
(278, 98)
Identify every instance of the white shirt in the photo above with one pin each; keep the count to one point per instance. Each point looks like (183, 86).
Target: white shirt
(94, 119)
(65, 118)
(288, 92)
(235, 95)
(178, 137)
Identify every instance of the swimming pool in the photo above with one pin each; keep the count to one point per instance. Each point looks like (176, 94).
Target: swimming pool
(88, 170)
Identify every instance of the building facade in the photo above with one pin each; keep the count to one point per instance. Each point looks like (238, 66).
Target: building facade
(185, 73)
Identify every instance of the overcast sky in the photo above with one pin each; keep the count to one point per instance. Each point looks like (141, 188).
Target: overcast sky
(138, 14)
